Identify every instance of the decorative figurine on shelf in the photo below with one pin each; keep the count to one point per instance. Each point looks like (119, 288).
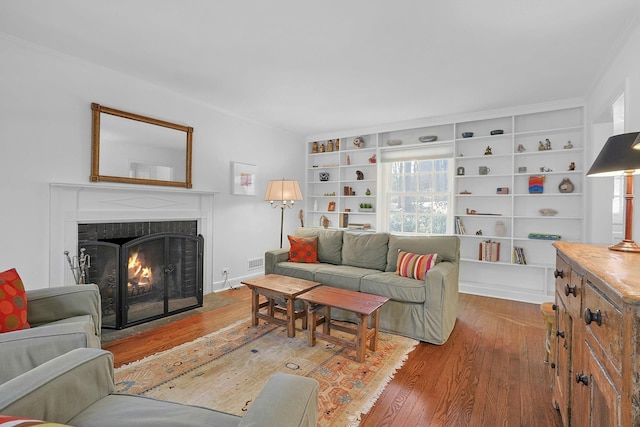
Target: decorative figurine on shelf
(372, 159)
(572, 166)
(541, 146)
(322, 148)
(337, 144)
(547, 144)
(568, 146)
(566, 186)
(367, 193)
(521, 148)
(348, 159)
(488, 152)
(314, 147)
(359, 142)
(479, 233)
(330, 145)
(543, 169)
(324, 176)
(359, 175)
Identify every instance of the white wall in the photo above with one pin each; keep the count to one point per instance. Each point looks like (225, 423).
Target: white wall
(622, 74)
(45, 136)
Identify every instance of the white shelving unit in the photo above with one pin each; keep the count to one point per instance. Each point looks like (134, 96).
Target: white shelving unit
(519, 210)
(345, 168)
(475, 200)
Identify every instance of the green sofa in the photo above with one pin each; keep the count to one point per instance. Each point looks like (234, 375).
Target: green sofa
(366, 262)
(61, 319)
(77, 389)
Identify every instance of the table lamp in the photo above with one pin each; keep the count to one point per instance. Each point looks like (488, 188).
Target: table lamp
(621, 155)
(283, 194)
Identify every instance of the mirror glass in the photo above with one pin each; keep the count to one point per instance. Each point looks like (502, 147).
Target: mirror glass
(131, 148)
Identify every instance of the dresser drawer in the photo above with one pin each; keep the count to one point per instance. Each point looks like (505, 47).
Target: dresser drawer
(568, 286)
(604, 321)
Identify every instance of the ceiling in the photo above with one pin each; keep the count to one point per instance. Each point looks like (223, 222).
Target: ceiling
(315, 66)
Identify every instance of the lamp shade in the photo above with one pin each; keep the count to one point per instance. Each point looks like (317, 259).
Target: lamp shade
(282, 190)
(617, 156)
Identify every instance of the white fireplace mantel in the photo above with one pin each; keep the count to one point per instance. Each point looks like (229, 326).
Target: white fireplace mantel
(73, 204)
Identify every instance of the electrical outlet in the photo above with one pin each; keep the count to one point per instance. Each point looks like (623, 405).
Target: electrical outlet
(225, 271)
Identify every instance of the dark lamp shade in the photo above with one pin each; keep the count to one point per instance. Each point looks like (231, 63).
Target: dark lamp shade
(617, 156)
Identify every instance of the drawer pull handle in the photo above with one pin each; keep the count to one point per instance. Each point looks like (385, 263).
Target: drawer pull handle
(571, 290)
(592, 317)
(582, 378)
(560, 334)
(558, 273)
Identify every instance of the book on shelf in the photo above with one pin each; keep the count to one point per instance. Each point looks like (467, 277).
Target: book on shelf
(518, 256)
(459, 226)
(344, 220)
(489, 251)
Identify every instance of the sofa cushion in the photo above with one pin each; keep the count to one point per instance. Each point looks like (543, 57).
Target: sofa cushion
(13, 302)
(303, 249)
(446, 247)
(141, 411)
(342, 276)
(300, 270)
(329, 243)
(394, 287)
(365, 250)
(415, 266)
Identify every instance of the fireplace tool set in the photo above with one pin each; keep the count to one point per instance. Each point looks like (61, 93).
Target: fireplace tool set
(79, 266)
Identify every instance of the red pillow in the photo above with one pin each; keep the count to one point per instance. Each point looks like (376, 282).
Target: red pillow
(13, 302)
(415, 266)
(303, 249)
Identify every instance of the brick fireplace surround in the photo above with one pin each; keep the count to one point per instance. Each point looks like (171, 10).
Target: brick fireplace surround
(73, 204)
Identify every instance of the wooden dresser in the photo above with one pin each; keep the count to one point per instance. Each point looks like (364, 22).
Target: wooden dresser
(597, 362)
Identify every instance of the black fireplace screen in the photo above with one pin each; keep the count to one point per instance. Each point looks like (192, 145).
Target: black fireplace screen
(146, 278)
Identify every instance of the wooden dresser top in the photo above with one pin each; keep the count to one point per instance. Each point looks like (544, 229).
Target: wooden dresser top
(620, 270)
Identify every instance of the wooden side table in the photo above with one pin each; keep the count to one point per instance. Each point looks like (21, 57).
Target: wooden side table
(323, 298)
(276, 287)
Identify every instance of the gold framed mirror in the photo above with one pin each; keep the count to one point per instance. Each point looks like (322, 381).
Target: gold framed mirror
(134, 149)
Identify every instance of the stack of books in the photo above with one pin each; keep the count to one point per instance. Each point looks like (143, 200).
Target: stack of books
(489, 251)
(518, 256)
(459, 226)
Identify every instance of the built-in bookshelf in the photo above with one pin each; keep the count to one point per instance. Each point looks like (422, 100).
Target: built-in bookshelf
(499, 164)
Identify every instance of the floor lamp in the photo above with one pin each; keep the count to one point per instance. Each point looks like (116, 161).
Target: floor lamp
(621, 155)
(283, 194)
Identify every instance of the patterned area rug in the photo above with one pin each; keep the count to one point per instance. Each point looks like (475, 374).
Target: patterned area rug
(227, 369)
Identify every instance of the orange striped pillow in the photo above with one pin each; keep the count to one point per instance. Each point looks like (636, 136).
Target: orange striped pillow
(415, 266)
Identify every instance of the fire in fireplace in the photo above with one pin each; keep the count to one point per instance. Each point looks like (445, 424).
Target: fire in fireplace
(145, 271)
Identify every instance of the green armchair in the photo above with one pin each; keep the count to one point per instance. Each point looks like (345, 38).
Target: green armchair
(77, 389)
(61, 319)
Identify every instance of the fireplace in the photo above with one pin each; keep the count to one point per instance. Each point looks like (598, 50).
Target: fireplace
(145, 270)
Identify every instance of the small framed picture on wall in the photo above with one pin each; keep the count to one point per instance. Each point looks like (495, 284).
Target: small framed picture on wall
(332, 206)
(243, 179)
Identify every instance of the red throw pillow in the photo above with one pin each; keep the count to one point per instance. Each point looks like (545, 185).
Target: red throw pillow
(13, 302)
(415, 266)
(8, 420)
(303, 249)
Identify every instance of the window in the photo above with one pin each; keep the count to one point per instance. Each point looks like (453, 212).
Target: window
(418, 196)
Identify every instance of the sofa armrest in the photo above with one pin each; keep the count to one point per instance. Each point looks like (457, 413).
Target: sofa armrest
(59, 389)
(285, 401)
(272, 257)
(442, 298)
(51, 304)
(23, 350)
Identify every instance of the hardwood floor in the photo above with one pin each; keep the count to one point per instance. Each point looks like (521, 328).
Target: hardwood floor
(490, 372)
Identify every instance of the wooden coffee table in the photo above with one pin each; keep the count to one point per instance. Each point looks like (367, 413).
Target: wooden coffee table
(323, 298)
(276, 287)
